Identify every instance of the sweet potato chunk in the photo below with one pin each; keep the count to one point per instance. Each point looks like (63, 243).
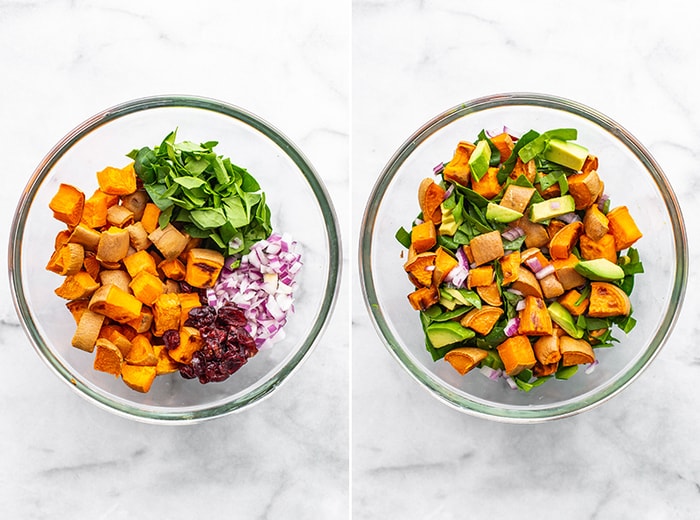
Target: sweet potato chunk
(535, 234)
(165, 364)
(585, 188)
(88, 330)
(77, 286)
(510, 267)
(423, 236)
(139, 378)
(95, 210)
(430, 196)
(444, 263)
(463, 359)
(527, 284)
(140, 261)
(117, 181)
(575, 351)
(150, 216)
(113, 245)
(480, 276)
(166, 313)
(115, 303)
(517, 197)
(169, 241)
(546, 349)
(203, 267)
(490, 294)
(564, 240)
(115, 277)
(517, 354)
(482, 320)
(190, 342)
(603, 248)
(85, 236)
(623, 227)
(67, 204)
(423, 298)
(458, 170)
(141, 352)
(67, 260)
(486, 247)
(534, 318)
(568, 301)
(146, 287)
(607, 300)
(565, 269)
(488, 185)
(595, 223)
(108, 358)
(173, 269)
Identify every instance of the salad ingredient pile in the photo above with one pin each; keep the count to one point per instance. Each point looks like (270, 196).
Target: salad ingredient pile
(148, 258)
(521, 267)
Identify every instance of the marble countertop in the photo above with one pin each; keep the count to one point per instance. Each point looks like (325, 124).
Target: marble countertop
(637, 456)
(287, 457)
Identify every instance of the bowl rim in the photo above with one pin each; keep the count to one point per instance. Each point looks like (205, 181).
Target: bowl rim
(191, 414)
(433, 384)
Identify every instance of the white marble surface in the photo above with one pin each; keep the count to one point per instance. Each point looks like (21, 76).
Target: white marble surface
(637, 456)
(63, 61)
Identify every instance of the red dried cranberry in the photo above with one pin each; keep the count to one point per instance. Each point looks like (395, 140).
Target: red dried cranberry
(230, 316)
(171, 339)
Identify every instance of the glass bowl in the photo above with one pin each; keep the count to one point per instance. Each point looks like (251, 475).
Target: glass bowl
(631, 176)
(299, 205)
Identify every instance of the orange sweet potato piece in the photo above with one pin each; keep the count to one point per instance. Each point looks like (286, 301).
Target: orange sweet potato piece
(203, 267)
(150, 216)
(606, 300)
(88, 330)
(115, 303)
(165, 365)
(119, 216)
(575, 351)
(527, 284)
(486, 247)
(585, 188)
(173, 269)
(188, 301)
(85, 236)
(117, 181)
(603, 248)
(540, 370)
(504, 143)
(141, 352)
(113, 245)
(169, 241)
(62, 238)
(146, 287)
(67, 204)
(490, 294)
(463, 359)
(140, 261)
(551, 286)
(423, 298)
(565, 269)
(166, 313)
(66, 260)
(564, 240)
(517, 197)
(546, 349)
(517, 354)
(430, 196)
(591, 163)
(480, 276)
(115, 277)
(595, 223)
(136, 203)
(114, 333)
(108, 358)
(78, 286)
(139, 378)
(458, 170)
(444, 263)
(190, 342)
(419, 267)
(528, 170)
(482, 320)
(423, 236)
(488, 185)
(623, 227)
(534, 318)
(568, 301)
(510, 267)
(95, 210)
(138, 236)
(77, 308)
(535, 234)
(143, 323)
(554, 226)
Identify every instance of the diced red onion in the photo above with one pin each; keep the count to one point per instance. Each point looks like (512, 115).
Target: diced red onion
(448, 192)
(438, 168)
(418, 222)
(514, 291)
(591, 367)
(511, 383)
(513, 233)
(520, 305)
(545, 271)
(512, 326)
(570, 217)
(262, 286)
(492, 373)
(457, 276)
(533, 262)
(462, 258)
(602, 200)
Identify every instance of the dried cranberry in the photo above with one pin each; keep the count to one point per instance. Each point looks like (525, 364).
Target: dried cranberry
(230, 316)
(171, 339)
(201, 316)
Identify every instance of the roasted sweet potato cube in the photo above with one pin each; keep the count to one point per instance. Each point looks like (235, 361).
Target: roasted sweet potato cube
(78, 286)
(486, 247)
(480, 276)
(146, 287)
(143, 323)
(150, 216)
(203, 267)
(623, 227)
(463, 359)
(113, 245)
(423, 236)
(488, 185)
(546, 349)
(173, 269)
(595, 223)
(444, 263)
(585, 188)
(551, 286)
(535, 234)
(527, 284)
(77, 308)
(67, 260)
(115, 303)
(517, 197)
(420, 267)
(114, 333)
(67, 204)
(424, 298)
(166, 313)
(117, 181)
(119, 216)
(517, 354)
(116, 277)
(603, 248)
(566, 272)
(504, 143)
(482, 320)
(141, 352)
(575, 351)
(568, 301)
(96, 206)
(190, 342)
(458, 170)
(430, 196)
(534, 318)
(108, 358)
(139, 378)
(564, 240)
(188, 301)
(510, 267)
(169, 241)
(92, 266)
(136, 203)
(490, 294)
(165, 365)
(88, 330)
(85, 236)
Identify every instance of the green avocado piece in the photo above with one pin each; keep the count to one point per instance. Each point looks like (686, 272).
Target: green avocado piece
(480, 159)
(567, 154)
(600, 269)
(501, 213)
(447, 333)
(563, 318)
(449, 225)
(551, 208)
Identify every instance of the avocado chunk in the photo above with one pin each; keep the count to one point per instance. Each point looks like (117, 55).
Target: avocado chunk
(567, 154)
(599, 269)
(449, 225)
(480, 159)
(551, 208)
(501, 213)
(447, 333)
(563, 318)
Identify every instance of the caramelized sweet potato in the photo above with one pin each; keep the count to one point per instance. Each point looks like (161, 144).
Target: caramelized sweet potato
(67, 260)
(150, 216)
(85, 236)
(115, 277)
(585, 188)
(166, 313)
(140, 261)
(77, 308)
(78, 286)
(67, 204)
(190, 342)
(430, 196)
(165, 365)
(173, 269)
(423, 236)
(115, 303)
(546, 349)
(108, 358)
(480, 276)
(444, 263)
(490, 294)
(458, 170)
(139, 378)
(551, 286)
(482, 320)
(119, 216)
(88, 330)
(517, 197)
(117, 181)
(204, 265)
(488, 185)
(146, 287)
(595, 223)
(527, 284)
(188, 301)
(463, 359)
(418, 266)
(607, 300)
(565, 269)
(136, 203)
(564, 240)
(568, 301)
(517, 354)
(534, 318)
(141, 352)
(510, 267)
(486, 247)
(623, 227)
(575, 351)
(169, 241)
(603, 248)
(95, 210)
(138, 236)
(535, 234)
(423, 298)
(504, 143)
(113, 245)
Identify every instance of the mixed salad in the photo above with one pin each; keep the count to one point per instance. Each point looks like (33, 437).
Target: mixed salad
(172, 265)
(521, 266)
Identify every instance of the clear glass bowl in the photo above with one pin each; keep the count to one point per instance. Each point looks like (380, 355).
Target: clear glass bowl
(632, 177)
(299, 204)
